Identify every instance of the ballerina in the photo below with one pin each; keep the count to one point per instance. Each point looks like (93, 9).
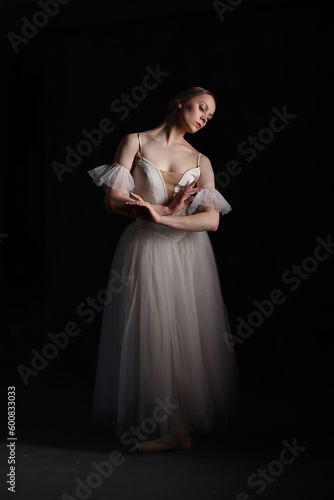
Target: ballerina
(162, 334)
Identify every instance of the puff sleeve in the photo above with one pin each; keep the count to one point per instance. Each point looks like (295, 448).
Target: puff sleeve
(114, 176)
(210, 197)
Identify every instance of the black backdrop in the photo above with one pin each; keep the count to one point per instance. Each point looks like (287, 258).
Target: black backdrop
(259, 58)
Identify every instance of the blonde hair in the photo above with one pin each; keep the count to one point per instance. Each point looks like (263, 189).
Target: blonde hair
(186, 95)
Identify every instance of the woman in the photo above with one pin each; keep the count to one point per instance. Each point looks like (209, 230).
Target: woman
(163, 366)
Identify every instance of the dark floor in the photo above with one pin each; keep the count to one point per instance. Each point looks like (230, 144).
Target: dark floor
(57, 446)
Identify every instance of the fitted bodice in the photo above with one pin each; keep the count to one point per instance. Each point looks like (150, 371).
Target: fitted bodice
(156, 186)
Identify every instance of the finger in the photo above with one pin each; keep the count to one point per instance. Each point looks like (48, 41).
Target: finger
(137, 202)
(188, 193)
(135, 195)
(189, 185)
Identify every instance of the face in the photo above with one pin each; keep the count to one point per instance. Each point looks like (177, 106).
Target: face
(196, 112)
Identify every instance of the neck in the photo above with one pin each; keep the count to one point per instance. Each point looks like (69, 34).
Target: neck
(170, 130)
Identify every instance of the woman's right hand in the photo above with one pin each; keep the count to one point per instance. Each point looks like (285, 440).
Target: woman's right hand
(182, 198)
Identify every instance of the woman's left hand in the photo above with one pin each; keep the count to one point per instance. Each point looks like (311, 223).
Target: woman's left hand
(143, 209)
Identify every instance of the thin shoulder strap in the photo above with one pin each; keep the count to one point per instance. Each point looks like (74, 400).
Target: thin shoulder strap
(140, 148)
(198, 157)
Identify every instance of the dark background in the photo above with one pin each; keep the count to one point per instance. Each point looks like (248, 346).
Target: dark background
(57, 240)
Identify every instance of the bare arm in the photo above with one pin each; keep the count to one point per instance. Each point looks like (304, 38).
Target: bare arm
(206, 220)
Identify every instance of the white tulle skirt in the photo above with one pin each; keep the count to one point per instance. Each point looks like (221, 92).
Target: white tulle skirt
(162, 353)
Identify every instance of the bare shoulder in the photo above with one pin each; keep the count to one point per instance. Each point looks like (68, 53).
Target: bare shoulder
(127, 150)
(145, 134)
(205, 163)
(130, 140)
(207, 177)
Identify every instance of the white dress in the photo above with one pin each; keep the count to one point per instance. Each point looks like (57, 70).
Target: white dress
(163, 349)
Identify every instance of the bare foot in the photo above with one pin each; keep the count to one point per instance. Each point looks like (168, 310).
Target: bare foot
(175, 440)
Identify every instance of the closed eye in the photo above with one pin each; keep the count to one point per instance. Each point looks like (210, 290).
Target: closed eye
(202, 109)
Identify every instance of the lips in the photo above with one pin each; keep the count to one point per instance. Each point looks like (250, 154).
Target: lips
(198, 125)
